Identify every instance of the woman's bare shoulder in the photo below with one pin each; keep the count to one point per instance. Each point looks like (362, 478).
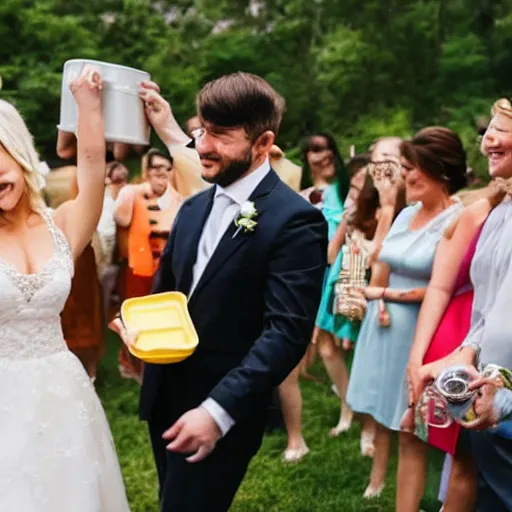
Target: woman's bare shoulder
(471, 218)
(477, 211)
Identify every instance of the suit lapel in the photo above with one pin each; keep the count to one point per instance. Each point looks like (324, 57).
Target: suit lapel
(229, 245)
(196, 218)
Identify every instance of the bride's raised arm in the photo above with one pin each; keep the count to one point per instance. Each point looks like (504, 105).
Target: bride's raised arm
(78, 218)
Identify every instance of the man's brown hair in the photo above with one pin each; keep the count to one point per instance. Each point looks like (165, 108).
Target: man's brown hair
(241, 100)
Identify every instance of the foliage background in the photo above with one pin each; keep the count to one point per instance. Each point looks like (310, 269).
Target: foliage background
(357, 69)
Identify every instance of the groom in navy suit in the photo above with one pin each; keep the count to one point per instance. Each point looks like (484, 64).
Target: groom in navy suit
(253, 292)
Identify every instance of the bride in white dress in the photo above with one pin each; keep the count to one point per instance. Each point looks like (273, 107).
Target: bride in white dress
(56, 450)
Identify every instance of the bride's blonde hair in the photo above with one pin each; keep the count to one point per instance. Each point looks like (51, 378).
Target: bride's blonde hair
(19, 143)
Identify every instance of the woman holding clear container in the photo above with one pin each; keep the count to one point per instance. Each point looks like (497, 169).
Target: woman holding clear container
(488, 340)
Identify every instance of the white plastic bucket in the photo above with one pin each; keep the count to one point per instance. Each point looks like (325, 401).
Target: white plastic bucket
(123, 111)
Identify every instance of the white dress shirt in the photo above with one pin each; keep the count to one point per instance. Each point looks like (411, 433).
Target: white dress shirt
(239, 192)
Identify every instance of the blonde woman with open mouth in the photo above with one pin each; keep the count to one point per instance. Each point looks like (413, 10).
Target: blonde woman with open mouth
(57, 450)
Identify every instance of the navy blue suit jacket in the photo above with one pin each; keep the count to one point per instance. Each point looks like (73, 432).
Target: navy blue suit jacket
(254, 306)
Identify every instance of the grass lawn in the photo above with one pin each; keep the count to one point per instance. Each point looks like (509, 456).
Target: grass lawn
(331, 478)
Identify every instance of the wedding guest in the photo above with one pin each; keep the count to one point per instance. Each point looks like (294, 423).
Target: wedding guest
(442, 325)
(330, 331)
(104, 242)
(116, 178)
(433, 168)
(323, 162)
(390, 200)
(148, 211)
(322, 166)
(488, 340)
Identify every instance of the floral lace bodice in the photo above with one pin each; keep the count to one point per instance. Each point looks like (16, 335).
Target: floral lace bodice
(30, 305)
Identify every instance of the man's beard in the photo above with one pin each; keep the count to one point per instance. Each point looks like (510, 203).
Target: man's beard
(232, 170)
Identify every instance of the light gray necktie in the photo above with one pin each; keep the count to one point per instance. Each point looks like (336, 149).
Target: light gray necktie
(220, 204)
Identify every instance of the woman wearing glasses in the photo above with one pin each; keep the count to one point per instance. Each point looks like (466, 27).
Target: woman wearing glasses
(433, 168)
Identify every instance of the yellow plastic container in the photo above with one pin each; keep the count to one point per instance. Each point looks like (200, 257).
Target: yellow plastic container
(166, 332)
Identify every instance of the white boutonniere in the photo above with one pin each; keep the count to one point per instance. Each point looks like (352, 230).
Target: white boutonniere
(245, 218)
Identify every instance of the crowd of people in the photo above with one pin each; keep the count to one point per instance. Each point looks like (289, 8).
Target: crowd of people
(429, 253)
(413, 277)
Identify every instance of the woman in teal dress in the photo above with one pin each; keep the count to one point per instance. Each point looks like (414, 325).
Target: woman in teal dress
(330, 331)
(434, 168)
(340, 327)
(324, 168)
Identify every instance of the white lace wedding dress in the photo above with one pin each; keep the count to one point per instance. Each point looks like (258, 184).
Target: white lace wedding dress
(56, 449)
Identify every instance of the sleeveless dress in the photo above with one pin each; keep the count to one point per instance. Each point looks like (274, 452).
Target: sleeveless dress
(451, 332)
(377, 384)
(56, 450)
(340, 327)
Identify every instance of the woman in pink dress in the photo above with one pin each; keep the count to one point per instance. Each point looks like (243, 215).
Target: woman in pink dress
(451, 332)
(442, 326)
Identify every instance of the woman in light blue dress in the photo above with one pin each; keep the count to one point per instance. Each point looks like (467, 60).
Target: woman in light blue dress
(433, 168)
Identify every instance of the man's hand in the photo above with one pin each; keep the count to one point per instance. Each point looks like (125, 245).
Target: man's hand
(160, 115)
(158, 110)
(195, 432)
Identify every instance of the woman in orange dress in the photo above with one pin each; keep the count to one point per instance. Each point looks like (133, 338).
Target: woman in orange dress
(144, 214)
